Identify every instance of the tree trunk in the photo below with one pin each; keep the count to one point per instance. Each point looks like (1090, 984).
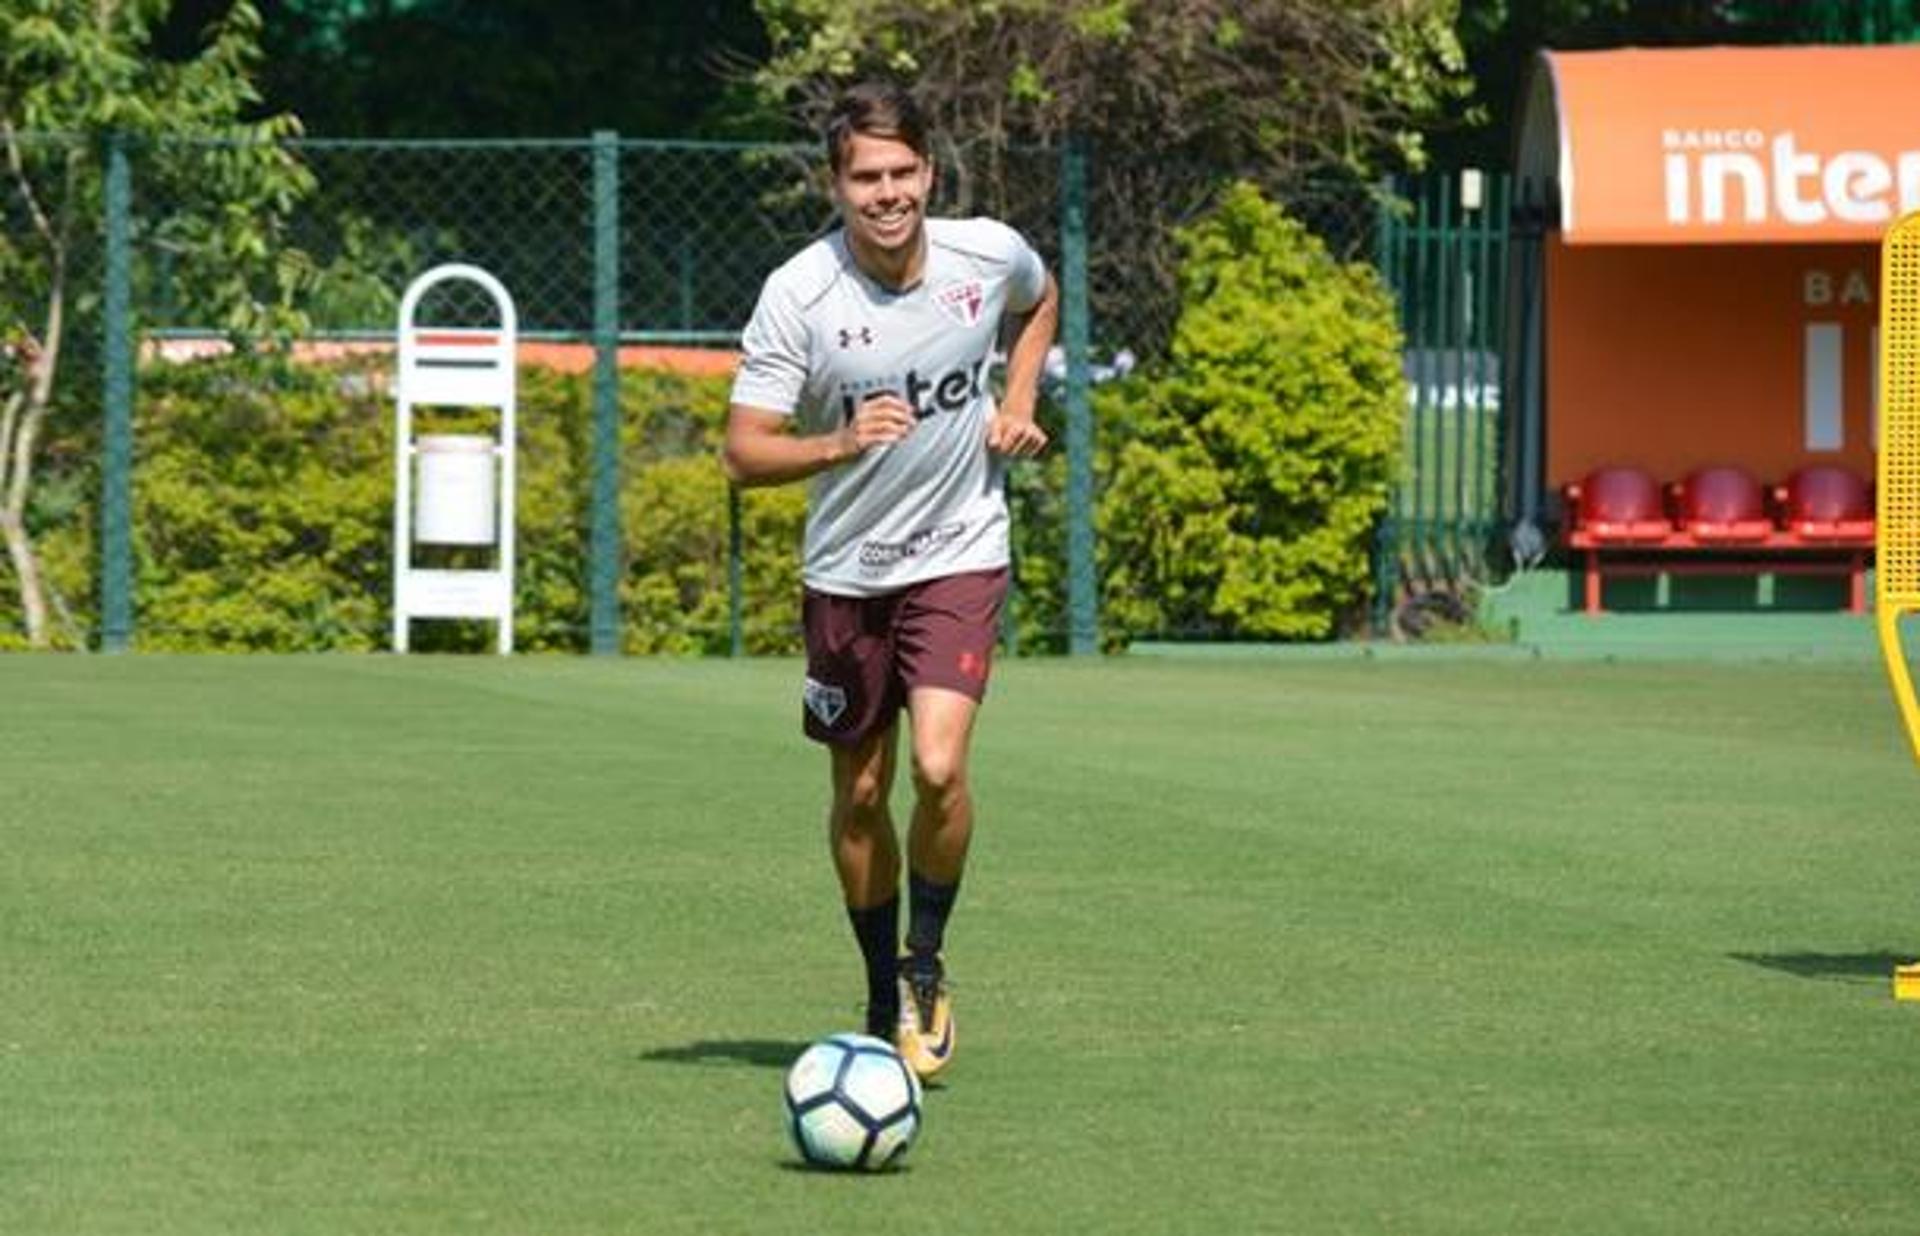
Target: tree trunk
(16, 480)
(17, 442)
(26, 570)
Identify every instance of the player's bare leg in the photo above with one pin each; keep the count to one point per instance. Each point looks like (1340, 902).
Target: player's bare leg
(866, 853)
(943, 802)
(937, 842)
(866, 856)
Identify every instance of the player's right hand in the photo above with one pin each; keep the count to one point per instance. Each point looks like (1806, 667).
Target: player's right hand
(879, 420)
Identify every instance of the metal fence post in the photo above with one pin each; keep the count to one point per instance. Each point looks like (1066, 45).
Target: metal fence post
(1083, 621)
(1386, 532)
(1526, 387)
(116, 481)
(604, 545)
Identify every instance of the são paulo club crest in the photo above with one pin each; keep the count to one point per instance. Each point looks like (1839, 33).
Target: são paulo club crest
(963, 302)
(825, 702)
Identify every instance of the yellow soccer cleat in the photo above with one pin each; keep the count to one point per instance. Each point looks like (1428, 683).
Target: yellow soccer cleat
(925, 1034)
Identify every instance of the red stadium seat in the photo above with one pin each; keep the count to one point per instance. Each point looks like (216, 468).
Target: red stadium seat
(1720, 525)
(1722, 506)
(1618, 506)
(1826, 503)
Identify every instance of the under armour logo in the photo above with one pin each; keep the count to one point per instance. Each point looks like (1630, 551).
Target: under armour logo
(864, 335)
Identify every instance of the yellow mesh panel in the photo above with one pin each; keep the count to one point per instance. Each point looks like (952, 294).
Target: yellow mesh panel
(1897, 567)
(1897, 570)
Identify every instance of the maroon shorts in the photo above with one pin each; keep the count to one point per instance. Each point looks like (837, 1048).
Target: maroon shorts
(865, 653)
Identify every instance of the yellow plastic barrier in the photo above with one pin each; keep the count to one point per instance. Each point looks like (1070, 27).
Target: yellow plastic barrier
(1897, 565)
(1897, 560)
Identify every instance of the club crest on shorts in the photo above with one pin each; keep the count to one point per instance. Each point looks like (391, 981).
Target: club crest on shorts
(963, 302)
(826, 703)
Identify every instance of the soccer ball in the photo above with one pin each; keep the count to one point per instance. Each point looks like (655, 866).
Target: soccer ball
(852, 1102)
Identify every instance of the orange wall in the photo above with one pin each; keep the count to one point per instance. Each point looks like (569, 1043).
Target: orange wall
(1671, 357)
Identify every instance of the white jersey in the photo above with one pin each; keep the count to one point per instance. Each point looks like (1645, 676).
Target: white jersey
(824, 336)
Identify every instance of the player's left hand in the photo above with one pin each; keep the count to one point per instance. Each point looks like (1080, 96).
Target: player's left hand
(1015, 436)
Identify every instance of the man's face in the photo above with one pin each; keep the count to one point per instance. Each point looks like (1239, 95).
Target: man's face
(882, 188)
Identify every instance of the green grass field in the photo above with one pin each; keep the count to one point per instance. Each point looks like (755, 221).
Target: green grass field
(365, 944)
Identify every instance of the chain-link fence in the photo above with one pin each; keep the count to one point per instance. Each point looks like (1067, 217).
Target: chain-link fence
(148, 472)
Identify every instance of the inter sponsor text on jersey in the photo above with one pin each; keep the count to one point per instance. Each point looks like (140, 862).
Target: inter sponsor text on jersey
(824, 336)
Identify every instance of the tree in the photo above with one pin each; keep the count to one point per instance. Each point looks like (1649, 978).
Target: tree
(1281, 87)
(73, 72)
(1244, 481)
(1175, 97)
(497, 68)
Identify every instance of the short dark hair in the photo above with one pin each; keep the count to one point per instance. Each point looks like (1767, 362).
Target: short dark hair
(875, 109)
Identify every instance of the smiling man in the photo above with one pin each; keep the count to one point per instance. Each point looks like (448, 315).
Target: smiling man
(866, 373)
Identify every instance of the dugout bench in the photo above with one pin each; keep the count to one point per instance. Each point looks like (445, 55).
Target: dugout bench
(1719, 521)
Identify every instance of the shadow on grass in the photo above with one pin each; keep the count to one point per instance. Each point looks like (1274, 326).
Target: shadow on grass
(797, 1168)
(1833, 967)
(759, 1053)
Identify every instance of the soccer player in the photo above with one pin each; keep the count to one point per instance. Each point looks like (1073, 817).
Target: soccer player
(865, 372)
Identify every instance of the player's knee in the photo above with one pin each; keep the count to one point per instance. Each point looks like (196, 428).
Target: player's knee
(939, 773)
(861, 801)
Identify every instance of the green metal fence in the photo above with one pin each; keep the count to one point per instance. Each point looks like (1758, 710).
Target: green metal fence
(1443, 245)
(604, 242)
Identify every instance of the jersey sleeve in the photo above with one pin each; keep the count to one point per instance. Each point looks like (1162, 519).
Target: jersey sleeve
(1027, 280)
(773, 363)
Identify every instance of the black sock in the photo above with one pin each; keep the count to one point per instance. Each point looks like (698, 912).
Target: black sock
(878, 930)
(927, 922)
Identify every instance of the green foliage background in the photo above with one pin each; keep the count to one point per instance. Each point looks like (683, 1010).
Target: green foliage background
(1244, 478)
(1237, 487)
(263, 515)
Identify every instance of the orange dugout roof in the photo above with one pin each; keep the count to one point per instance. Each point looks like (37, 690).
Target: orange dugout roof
(1726, 144)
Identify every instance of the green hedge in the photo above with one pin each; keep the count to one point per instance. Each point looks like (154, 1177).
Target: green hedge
(263, 515)
(1242, 481)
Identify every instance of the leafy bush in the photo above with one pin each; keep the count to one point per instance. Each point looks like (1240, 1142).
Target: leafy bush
(675, 523)
(1036, 616)
(263, 515)
(1237, 487)
(1242, 481)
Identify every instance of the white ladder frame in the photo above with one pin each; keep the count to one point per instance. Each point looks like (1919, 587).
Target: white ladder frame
(454, 367)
